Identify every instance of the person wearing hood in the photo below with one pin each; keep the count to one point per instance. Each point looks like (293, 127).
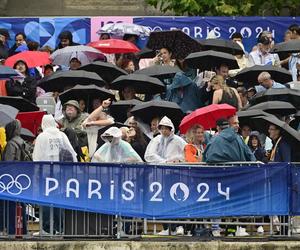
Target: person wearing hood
(25, 87)
(255, 146)
(14, 151)
(227, 146)
(51, 142)
(66, 39)
(115, 149)
(184, 92)
(52, 145)
(73, 119)
(166, 147)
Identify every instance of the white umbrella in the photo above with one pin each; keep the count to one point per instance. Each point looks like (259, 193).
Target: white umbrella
(85, 54)
(120, 29)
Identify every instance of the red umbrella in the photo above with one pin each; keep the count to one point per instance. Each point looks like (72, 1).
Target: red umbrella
(112, 46)
(207, 116)
(31, 120)
(32, 58)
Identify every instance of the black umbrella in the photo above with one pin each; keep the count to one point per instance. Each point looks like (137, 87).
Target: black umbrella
(226, 46)
(285, 95)
(7, 114)
(107, 71)
(275, 107)
(250, 75)
(292, 46)
(86, 92)
(262, 125)
(246, 115)
(180, 43)
(141, 83)
(23, 105)
(208, 60)
(149, 110)
(62, 79)
(119, 110)
(146, 53)
(159, 71)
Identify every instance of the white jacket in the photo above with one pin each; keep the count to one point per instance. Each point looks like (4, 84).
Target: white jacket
(164, 149)
(49, 143)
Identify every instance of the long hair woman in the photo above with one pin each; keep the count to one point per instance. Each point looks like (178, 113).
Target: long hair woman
(224, 93)
(194, 149)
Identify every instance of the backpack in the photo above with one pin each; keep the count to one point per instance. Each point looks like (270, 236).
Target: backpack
(65, 155)
(25, 154)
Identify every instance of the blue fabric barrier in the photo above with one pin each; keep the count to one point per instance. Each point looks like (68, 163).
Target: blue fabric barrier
(150, 191)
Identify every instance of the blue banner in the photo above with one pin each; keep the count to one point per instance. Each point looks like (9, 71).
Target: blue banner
(224, 27)
(45, 30)
(149, 191)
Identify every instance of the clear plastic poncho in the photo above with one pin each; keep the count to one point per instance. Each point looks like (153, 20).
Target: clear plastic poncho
(163, 149)
(50, 142)
(115, 149)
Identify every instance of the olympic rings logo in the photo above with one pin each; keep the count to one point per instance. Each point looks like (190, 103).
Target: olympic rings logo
(14, 186)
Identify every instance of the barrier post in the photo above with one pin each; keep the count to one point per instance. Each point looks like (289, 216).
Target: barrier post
(51, 221)
(19, 220)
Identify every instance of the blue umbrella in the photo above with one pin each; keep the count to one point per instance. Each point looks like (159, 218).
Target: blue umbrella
(7, 73)
(7, 114)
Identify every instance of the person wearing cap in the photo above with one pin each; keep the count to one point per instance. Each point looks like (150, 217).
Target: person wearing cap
(266, 82)
(227, 146)
(115, 149)
(66, 39)
(73, 118)
(262, 55)
(166, 147)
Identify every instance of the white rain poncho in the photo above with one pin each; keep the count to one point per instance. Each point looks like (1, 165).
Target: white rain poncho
(163, 149)
(115, 149)
(50, 142)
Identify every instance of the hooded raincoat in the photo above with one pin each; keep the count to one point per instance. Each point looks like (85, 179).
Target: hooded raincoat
(184, 92)
(163, 149)
(51, 142)
(228, 146)
(115, 150)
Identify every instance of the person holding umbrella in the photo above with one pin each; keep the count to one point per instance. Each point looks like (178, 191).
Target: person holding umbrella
(281, 150)
(164, 57)
(25, 87)
(166, 147)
